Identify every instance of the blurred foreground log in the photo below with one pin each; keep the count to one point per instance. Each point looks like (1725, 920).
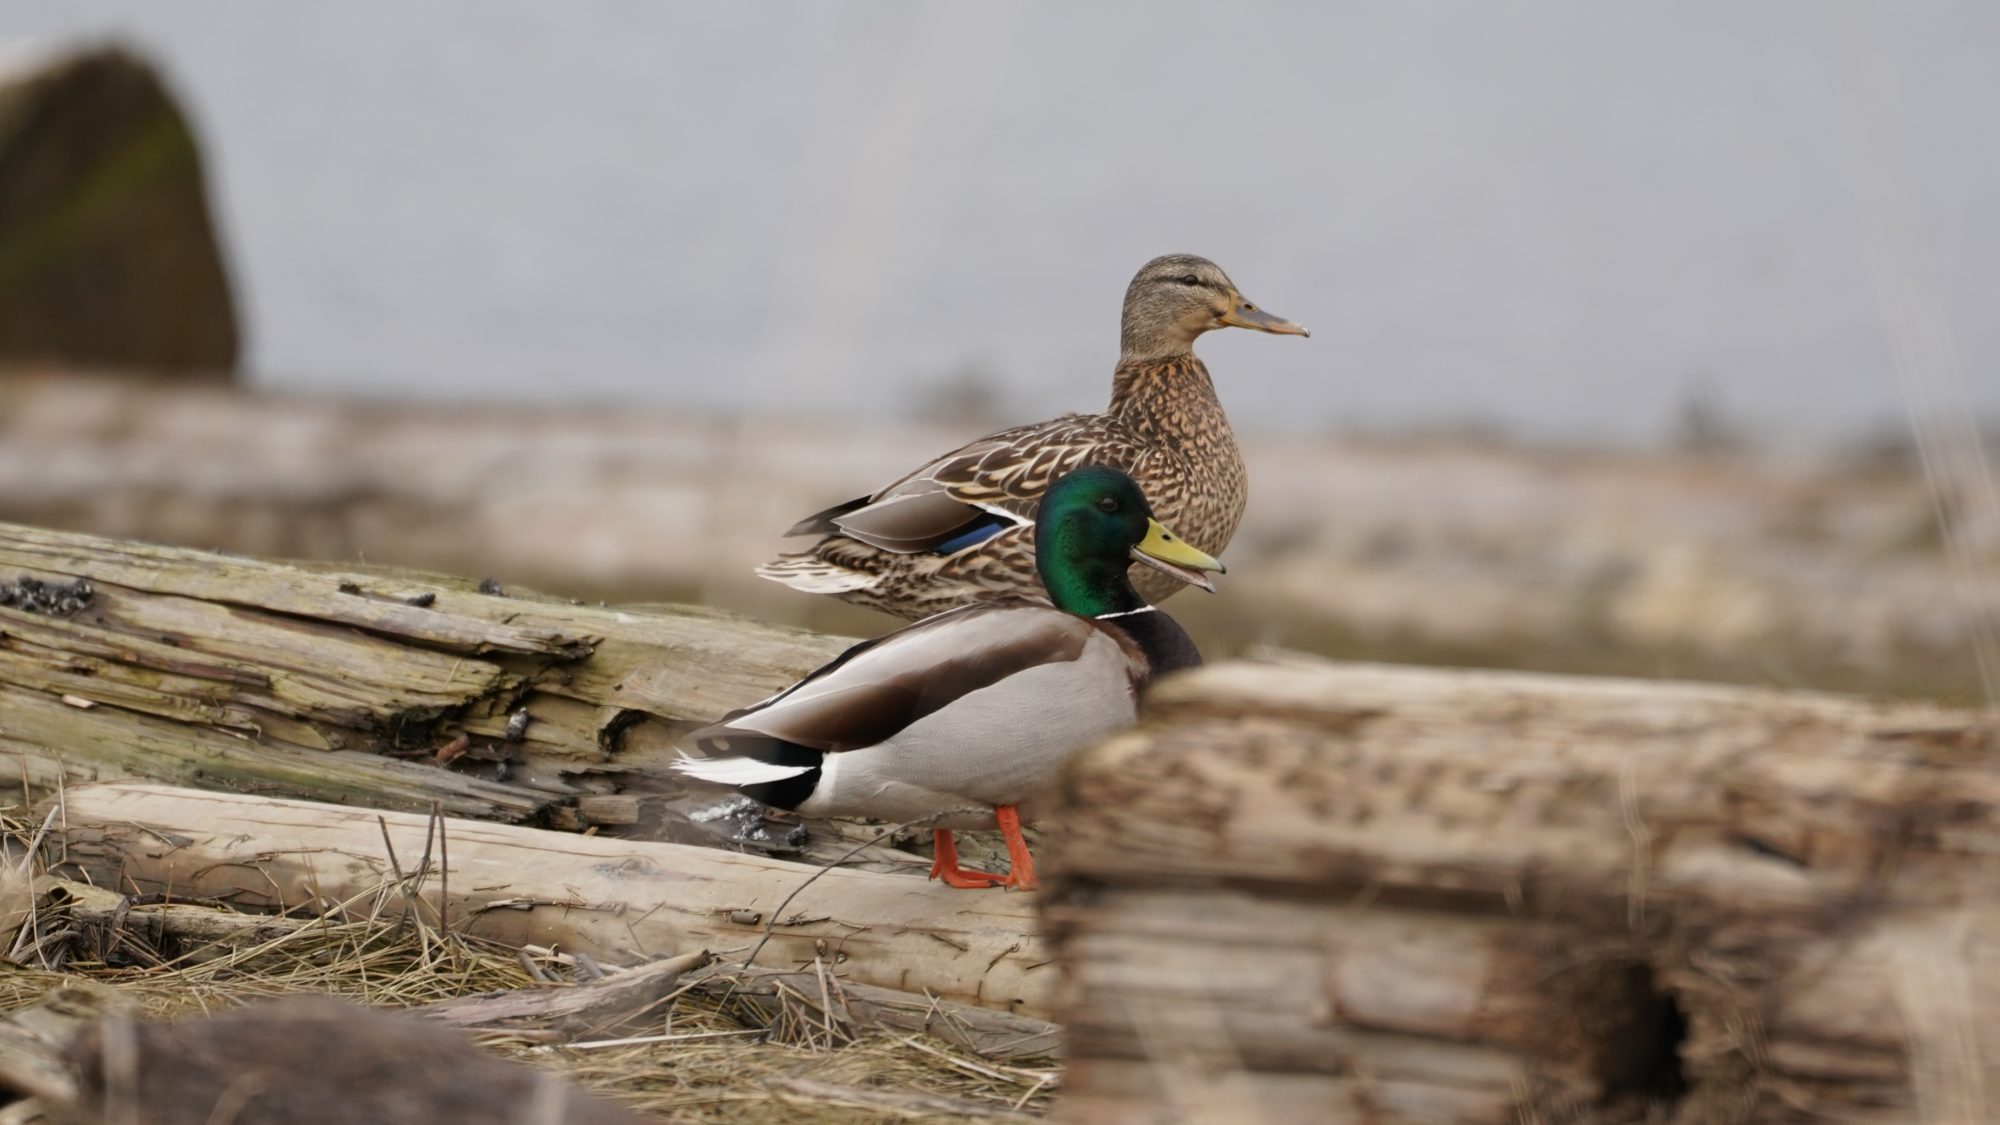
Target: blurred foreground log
(619, 901)
(108, 252)
(304, 1059)
(1315, 892)
(379, 688)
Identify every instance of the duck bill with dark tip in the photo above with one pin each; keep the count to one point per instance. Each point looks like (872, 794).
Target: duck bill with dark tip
(1170, 554)
(1243, 314)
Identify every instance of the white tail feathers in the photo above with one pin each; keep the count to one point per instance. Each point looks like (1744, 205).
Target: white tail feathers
(812, 576)
(734, 771)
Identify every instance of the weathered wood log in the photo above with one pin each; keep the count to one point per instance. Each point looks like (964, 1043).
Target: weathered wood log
(388, 689)
(853, 1006)
(595, 1005)
(616, 900)
(111, 928)
(1333, 891)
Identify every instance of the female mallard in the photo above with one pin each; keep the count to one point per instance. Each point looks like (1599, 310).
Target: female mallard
(963, 720)
(961, 528)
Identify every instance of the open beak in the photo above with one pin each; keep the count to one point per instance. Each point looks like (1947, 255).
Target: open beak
(1169, 554)
(1243, 314)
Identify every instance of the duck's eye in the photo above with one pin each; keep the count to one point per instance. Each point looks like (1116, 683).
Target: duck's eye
(1107, 504)
(1190, 279)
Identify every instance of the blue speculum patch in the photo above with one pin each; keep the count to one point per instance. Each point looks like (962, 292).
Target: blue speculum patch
(985, 526)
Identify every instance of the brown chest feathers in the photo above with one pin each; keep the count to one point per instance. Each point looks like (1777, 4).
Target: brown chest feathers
(1192, 471)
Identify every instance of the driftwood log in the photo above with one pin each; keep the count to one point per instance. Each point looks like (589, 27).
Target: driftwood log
(83, 922)
(593, 1005)
(380, 688)
(619, 901)
(1304, 891)
(853, 1007)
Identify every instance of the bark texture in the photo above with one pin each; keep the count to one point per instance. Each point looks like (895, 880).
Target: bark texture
(389, 689)
(1431, 895)
(620, 901)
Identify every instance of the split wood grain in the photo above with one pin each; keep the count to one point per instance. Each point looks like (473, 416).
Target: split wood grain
(616, 900)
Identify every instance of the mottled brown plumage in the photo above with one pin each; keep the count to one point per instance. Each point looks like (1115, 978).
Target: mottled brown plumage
(961, 529)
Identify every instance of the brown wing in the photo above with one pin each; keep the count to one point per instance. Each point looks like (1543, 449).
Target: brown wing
(998, 479)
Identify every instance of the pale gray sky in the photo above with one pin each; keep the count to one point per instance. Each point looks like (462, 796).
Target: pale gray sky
(1557, 216)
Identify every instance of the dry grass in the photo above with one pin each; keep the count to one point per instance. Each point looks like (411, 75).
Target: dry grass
(700, 1056)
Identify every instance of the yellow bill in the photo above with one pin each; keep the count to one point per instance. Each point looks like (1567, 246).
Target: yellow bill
(1170, 554)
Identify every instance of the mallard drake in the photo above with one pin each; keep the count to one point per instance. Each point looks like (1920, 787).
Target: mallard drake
(963, 720)
(961, 528)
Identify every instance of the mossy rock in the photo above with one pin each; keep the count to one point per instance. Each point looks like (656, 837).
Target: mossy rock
(108, 251)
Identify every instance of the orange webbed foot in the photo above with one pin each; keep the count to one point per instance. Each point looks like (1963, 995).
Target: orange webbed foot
(1020, 865)
(945, 868)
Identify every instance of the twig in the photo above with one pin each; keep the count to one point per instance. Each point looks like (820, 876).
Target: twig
(771, 920)
(402, 887)
(1039, 1078)
(34, 927)
(825, 1000)
(47, 940)
(62, 800)
(899, 1103)
(35, 844)
(395, 868)
(1041, 1081)
(534, 970)
(444, 869)
(684, 1037)
(424, 865)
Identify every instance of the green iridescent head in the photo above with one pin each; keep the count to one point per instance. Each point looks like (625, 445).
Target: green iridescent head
(1094, 523)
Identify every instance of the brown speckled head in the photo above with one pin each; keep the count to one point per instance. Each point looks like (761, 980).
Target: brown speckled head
(1177, 297)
